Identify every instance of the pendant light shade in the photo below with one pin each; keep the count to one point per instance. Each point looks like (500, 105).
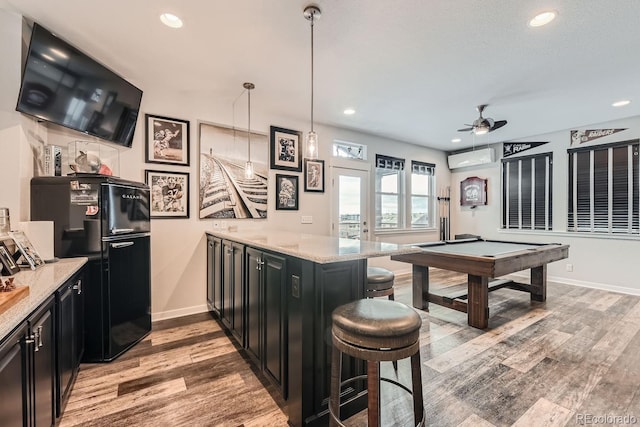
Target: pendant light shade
(248, 167)
(311, 13)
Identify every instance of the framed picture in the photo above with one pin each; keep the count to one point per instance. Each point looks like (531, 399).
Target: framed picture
(314, 175)
(166, 140)
(286, 192)
(169, 194)
(9, 266)
(28, 252)
(286, 151)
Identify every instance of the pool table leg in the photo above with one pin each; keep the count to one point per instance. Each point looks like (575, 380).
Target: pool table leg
(539, 283)
(421, 287)
(478, 301)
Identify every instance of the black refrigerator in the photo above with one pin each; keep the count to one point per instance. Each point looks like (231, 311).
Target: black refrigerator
(107, 220)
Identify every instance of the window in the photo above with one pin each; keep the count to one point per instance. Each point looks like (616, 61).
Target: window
(526, 192)
(389, 192)
(603, 188)
(349, 150)
(422, 202)
(397, 208)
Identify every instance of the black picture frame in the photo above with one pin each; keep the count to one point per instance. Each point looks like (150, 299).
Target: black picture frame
(167, 140)
(29, 253)
(169, 194)
(8, 263)
(314, 175)
(285, 149)
(287, 193)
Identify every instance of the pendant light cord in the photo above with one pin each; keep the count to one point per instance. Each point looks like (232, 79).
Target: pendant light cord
(312, 19)
(249, 127)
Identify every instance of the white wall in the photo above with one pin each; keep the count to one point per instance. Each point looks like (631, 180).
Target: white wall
(605, 262)
(179, 245)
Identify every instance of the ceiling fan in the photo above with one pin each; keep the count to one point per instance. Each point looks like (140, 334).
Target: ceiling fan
(482, 125)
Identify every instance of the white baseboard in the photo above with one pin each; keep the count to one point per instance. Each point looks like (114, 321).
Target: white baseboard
(171, 314)
(583, 284)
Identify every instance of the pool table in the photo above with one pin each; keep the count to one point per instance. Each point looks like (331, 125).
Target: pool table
(482, 260)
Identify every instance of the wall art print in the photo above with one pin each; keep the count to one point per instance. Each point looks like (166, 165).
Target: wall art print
(166, 140)
(224, 192)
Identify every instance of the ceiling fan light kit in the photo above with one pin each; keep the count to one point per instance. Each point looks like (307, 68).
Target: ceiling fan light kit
(483, 125)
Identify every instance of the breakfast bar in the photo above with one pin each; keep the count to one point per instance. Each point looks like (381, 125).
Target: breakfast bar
(275, 291)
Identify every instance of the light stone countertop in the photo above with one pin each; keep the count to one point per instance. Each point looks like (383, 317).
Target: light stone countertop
(313, 247)
(42, 282)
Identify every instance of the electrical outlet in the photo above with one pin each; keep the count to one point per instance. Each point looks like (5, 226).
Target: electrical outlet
(569, 267)
(295, 286)
(306, 219)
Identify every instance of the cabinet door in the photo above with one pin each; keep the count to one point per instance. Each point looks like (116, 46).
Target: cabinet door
(274, 276)
(78, 319)
(254, 302)
(237, 290)
(13, 380)
(214, 270)
(64, 342)
(227, 281)
(41, 326)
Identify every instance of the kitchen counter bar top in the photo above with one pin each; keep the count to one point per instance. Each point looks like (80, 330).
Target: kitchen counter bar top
(313, 247)
(43, 282)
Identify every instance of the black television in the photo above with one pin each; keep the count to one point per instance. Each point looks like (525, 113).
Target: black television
(62, 85)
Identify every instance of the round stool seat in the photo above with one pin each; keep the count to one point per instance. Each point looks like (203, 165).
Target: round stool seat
(376, 324)
(379, 278)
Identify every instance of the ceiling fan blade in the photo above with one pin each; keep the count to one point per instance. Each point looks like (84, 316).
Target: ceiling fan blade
(465, 129)
(498, 124)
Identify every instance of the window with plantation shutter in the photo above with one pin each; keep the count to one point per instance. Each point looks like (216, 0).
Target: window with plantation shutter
(604, 184)
(526, 192)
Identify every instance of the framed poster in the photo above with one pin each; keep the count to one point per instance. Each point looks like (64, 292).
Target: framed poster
(286, 150)
(314, 175)
(473, 192)
(166, 140)
(9, 266)
(29, 253)
(286, 192)
(169, 194)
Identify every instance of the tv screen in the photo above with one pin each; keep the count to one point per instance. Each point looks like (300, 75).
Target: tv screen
(62, 85)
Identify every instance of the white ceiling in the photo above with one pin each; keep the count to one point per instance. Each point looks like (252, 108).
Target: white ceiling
(413, 69)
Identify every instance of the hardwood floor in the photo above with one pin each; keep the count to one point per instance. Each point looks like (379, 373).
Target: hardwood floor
(556, 363)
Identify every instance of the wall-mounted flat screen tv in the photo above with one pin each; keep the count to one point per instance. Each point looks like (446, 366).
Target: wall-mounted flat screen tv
(62, 85)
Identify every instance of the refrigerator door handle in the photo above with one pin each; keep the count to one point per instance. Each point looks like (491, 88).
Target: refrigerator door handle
(121, 245)
(121, 230)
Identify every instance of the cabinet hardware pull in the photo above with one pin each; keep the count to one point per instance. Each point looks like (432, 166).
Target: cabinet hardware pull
(35, 340)
(78, 287)
(121, 245)
(30, 339)
(40, 336)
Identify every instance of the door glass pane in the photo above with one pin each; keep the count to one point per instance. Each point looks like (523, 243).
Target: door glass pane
(349, 207)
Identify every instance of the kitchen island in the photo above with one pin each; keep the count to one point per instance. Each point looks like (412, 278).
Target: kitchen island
(275, 291)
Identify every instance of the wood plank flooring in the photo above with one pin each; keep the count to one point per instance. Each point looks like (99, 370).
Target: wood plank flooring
(556, 363)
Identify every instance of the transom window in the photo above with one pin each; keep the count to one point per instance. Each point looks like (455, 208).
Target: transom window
(603, 188)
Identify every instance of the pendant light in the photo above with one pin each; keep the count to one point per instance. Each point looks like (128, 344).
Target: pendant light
(248, 167)
(312, 13)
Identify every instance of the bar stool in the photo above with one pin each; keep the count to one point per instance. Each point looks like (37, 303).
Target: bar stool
(375, 330)
(379, 283)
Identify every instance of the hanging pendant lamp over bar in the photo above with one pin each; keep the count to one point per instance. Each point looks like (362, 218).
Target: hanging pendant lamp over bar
(248, 167)
(311, 13)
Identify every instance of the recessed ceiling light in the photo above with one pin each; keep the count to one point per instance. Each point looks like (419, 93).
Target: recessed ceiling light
(171, 20)
(621, 103)
(456, 140)
(543, 18)
(349, 111)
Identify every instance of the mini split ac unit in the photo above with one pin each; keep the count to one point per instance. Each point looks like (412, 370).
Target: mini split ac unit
(471, 158)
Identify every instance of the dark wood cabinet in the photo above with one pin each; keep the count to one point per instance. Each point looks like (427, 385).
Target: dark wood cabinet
(70, 337)
(266, 286)
(42, 357)
(214, 274)
(13, 379)
(232, 313)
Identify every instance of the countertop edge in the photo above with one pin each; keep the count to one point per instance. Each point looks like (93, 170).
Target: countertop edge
(41, 287)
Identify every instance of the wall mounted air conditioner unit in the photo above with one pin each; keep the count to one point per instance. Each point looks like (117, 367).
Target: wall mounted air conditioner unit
(471, 158)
